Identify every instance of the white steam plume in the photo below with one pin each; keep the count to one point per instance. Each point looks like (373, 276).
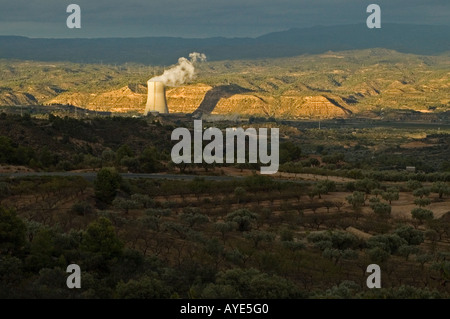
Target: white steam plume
(183, 72)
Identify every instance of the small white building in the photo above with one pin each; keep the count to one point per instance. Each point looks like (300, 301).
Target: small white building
(411, 169)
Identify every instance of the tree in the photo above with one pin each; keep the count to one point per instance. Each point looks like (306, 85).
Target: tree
(258, 236)
(215, 249)
(286, 235)
(350, 186)
(422, 214)
(193, 217)
(357, 199)
(125, 204)
(312, 193)
(51, 283)
(322, 187)
(411, 235)
(4, 190)
(218, 291)
(404, 292)
(80, 184)
(149, 161)
(338, 254)
(239, 193)
(82, 208)
(336, 245)
(338, 204)
(377, 192)
(421, 192)
(6, 149)
(153, 217)
(107, 182)
(224, 228)
(422, 202)
(390, 243)
(289, 152)
(333, 158)
(390, 195)
(346, 290)
(413, 184)
(243, 218)
(100, 238)
(314, 162)
(440, 188)
(178, 229)
(12, 232)
(123, 151)
(378, 255)
(108, 157)
(251, 284)
(327, 186)
(423, 258)
(10, 275)
(293, 245)
(328, 204)
(317, 190)
(42, 251)
(366, 185)
(47, 158)
(144, 200)
(144, 287)
(131, 163)
(441, 269)
(381, 209)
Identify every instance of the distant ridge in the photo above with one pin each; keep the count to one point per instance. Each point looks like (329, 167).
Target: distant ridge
(406, 38)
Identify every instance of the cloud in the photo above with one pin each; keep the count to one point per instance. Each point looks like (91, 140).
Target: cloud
(202, 18)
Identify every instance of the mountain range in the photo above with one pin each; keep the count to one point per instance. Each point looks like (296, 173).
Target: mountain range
(405, 38)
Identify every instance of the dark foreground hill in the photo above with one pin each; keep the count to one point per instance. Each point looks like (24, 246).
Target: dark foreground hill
(417, 39)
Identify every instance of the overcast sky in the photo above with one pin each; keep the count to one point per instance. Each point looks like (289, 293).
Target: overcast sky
(204, 18)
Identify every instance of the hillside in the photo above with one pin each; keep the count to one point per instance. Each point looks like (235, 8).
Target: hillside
(333, 84)
(341, 200)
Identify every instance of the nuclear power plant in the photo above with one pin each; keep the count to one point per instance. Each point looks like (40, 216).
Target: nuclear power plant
(156, 98)
(177, 75)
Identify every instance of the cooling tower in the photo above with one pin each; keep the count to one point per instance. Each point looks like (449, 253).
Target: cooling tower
(156, 98)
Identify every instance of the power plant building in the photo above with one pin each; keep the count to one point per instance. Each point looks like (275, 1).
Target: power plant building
(156, 98)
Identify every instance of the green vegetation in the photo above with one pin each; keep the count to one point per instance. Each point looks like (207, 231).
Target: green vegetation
(106, 184)
(338, 204)
(192, 239)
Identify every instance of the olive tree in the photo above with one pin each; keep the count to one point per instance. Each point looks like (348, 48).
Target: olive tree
(390, 194)
(381, 209)
(422, 214)
(243, 218)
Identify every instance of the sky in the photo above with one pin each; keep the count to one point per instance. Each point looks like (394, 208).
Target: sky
(203, 18)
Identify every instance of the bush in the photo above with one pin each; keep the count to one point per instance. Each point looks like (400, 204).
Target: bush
(390, 243)
(243, 218)
(82, 208)
(251, 284)
(143, 288)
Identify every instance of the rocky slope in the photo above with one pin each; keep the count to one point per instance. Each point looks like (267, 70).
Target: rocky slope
(121, 100)
(210, 100)
(9, 97)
